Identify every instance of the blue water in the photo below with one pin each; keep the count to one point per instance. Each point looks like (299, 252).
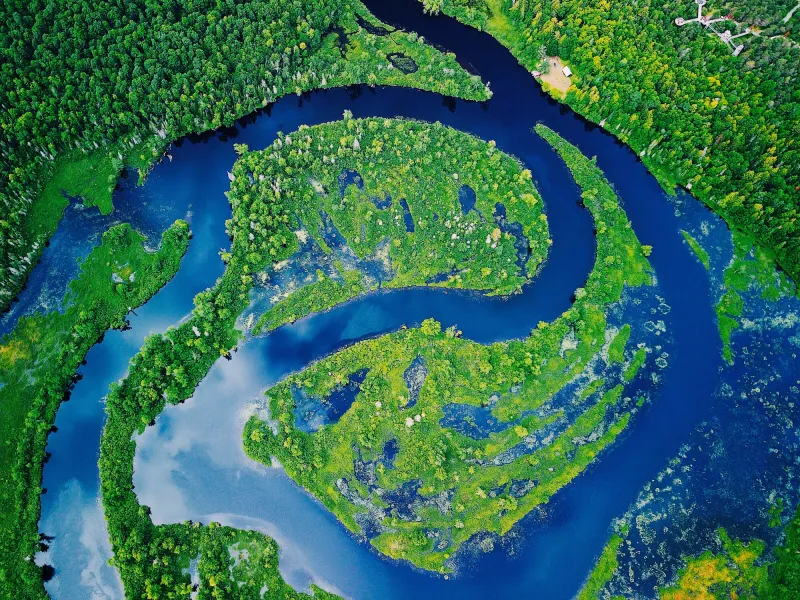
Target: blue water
(81, 229)
(190, 465)
(311, 413)
(737, 463)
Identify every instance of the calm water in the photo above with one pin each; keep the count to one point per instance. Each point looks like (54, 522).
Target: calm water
(191, 464)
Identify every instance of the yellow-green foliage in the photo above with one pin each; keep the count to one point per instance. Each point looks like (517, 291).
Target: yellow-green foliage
(603, 570)
(731, 573)
(442, 460)
(616, 351)
(316, 297)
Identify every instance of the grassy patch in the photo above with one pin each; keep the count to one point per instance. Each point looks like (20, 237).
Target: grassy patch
(603, 571)
(616, 350)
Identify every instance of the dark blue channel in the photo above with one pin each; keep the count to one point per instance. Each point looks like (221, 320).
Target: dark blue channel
(555, 549)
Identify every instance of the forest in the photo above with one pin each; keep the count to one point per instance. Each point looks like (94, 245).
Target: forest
(86, 89)
(725, 127)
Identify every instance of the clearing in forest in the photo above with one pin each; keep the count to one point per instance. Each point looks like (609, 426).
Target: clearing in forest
(555, 77)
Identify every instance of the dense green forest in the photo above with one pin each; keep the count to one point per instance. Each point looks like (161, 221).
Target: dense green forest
(728, 127)
(87, 88)
(39, 360)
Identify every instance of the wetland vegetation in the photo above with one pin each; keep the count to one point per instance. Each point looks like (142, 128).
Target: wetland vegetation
(423, 444)
(267, 191)
(39, 360)
(446, 484)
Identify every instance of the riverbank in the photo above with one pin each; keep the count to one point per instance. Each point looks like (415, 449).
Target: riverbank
(38, 361)
(623, 86)
(352, 48)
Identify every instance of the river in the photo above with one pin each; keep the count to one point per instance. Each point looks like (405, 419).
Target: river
(191, 464)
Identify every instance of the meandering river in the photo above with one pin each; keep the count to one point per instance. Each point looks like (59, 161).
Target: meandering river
(191, 465)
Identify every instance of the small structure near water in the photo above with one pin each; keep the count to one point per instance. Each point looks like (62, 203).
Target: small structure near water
(557, 77)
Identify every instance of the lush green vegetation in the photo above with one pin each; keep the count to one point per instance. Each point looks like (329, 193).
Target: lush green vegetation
(414, 173)
(729, 126)
(616, 351)
(38, 361)
(699, 251)
(751, 268)
(734, 569)
(603, 570)
(784, 573)
(87, 88)
(243, 564)
(152, 559)
(461, 485)
(730, 573)
(315, 297)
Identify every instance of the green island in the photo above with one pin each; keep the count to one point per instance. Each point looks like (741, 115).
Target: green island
(701, 253)
(459, 486)
(39, 360)
(124, 94)
(603, 570)
(152, 559)
(405, 211)
(723, 126)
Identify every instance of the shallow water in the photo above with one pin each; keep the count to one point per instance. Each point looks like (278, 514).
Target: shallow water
(191, 465)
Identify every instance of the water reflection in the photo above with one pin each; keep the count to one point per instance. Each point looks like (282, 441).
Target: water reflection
(191, 464)
(78, 521)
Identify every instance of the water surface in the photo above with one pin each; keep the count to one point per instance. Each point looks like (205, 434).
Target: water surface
(191, 465)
